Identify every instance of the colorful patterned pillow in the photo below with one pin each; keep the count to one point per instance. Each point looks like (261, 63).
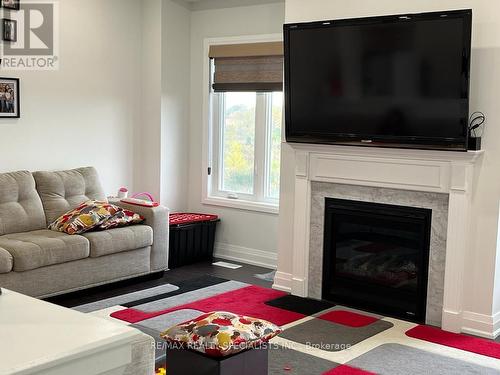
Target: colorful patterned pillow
(87, 216)
(221, 333)
(121, 219)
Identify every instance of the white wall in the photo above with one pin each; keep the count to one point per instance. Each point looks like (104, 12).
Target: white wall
(147, 131)
(482, 294)
(127, 99)
(84, 113)
(175, 103)
(241, 232)
(161, 135)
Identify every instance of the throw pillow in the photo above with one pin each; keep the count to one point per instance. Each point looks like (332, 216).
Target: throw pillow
(220, 334)
(87, 216)
(121, 219)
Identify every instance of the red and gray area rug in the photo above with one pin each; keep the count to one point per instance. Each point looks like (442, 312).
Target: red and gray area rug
(318, 337)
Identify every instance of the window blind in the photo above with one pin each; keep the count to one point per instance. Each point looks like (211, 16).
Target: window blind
(248, 67)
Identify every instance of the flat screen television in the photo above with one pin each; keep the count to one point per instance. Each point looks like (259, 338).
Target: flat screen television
(396, 81)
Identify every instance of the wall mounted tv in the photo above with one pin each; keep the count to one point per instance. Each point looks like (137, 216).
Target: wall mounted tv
(394, 81)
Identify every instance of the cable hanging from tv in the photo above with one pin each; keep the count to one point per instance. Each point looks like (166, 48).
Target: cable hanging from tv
(476, 128)
(476, 120)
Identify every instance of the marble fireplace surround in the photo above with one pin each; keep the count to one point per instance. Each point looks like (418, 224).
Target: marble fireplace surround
(437, 202)
(444, 172)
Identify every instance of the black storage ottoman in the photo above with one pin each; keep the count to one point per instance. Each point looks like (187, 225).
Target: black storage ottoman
(192, 238)
(187, 362)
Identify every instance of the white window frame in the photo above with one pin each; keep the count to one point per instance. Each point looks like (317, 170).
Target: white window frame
(262, 150)
(211, 126)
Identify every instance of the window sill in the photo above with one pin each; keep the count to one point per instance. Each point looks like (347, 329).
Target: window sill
(242, 204)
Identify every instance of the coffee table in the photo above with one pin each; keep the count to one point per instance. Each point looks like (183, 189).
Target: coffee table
(38, 337)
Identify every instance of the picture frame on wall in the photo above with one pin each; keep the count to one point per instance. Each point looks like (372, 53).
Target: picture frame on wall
(11, 4)
(9, 28)
(9, 98)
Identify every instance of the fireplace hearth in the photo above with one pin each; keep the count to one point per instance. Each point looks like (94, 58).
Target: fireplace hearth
(376, 257)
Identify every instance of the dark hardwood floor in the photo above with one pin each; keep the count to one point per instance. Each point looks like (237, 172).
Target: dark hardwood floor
(244, 274)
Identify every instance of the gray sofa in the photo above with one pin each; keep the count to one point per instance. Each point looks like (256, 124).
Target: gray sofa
(41, 263)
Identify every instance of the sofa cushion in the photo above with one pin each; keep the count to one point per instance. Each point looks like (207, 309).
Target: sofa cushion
(62, 191)
(20, 206)
(6, 261)
(35, 249)
(118, 240)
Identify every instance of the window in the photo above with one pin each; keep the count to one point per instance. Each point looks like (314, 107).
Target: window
(246, 133)
(246, 103)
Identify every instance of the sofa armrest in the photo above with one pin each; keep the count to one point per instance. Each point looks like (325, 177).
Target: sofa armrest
(157, 219)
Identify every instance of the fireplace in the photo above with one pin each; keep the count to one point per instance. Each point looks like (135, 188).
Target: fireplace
(376, 257)
(437, 180)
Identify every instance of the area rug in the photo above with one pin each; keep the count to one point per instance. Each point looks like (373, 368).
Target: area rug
(235, 297)
(318, 337)
(401, 359)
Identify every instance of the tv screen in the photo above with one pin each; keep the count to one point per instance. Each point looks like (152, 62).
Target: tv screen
(400, 80)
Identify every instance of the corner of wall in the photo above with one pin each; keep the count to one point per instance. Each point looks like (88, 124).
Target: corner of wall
(175, 102)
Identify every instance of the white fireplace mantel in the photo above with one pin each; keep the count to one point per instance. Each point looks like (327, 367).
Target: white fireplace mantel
(447, 172)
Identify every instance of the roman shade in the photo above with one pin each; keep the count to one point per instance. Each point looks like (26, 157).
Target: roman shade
(248, 67)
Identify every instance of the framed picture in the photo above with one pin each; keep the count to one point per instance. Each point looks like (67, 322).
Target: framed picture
(9, 30)
(9, 98)
(11, 4)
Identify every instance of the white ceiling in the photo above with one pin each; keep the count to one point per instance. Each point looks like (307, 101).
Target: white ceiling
(199, 1)
(214, 4)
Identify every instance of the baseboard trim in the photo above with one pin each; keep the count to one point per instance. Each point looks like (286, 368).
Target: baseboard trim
(283, 282)
(482, 325)
(451, 321)
(299, 287)
(246, 255)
